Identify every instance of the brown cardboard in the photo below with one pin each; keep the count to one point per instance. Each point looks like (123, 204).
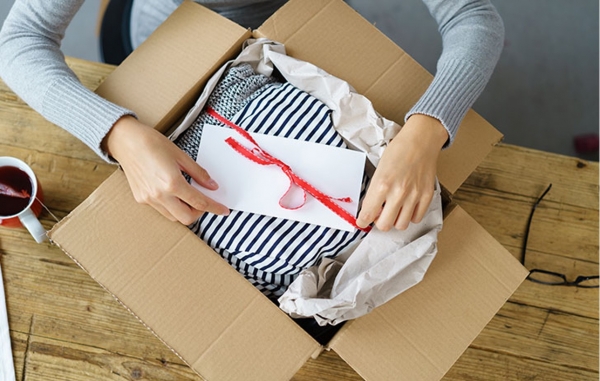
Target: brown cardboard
(213, 319)
(200, 306)
(462, 293)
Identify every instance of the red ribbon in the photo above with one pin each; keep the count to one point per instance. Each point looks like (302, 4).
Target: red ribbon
(258, 155)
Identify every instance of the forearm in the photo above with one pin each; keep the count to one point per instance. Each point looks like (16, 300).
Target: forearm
(32, 64)
(472, 37)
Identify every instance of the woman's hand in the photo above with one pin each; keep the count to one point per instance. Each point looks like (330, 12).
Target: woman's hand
(403, 184)
(153, 165)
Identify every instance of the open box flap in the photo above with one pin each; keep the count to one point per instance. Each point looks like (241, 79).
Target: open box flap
(185, 293)
(332, 36)
(160, 79)
(409, 339)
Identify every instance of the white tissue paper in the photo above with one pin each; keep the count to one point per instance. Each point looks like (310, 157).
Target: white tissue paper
(383, 264)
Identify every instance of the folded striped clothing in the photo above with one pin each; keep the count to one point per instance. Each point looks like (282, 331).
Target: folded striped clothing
(269, 251)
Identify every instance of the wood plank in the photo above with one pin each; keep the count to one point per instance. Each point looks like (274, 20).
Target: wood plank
(505, 217)
(543, 335)
(49, 359)
(328, 366)
(517, 170)
(571, 300)
(19, 347)
(16, 130)
(559, 229)
(501, 192)
(481, 365)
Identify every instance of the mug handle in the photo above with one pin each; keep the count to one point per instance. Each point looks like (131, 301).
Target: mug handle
(30, 221)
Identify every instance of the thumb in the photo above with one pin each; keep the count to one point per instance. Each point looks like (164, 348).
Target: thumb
(199, 174)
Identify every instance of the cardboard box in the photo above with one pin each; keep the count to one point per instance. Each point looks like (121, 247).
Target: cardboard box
(206, 312)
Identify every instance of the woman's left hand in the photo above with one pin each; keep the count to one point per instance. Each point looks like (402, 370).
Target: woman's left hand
(403, 184)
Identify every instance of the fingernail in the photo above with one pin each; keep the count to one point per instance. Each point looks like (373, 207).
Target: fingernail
(212, 183)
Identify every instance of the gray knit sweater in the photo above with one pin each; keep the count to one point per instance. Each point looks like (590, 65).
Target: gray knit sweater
(32, 64)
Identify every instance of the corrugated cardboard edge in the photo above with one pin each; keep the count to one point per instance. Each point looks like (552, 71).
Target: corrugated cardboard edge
(427, 354)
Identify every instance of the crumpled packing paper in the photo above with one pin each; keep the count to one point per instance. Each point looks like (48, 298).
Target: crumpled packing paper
(352, 114)
(383, 264)
(7, 370)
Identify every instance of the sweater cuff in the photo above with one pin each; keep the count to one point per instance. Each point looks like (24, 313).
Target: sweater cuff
(453, 91)
(82, 112)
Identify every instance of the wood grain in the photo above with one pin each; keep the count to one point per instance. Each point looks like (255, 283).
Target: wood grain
(64, 326)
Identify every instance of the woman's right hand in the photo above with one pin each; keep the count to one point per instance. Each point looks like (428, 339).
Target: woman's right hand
(153, 165)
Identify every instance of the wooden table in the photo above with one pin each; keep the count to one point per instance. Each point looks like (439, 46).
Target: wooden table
(64, 326)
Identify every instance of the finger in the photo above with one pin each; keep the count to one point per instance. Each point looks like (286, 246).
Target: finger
(389, 214)
(421, 209)
(162, 210)
(192, 196)
(200, 202)
(196, 172)
(405, 215)
(371, 207)
(181, 211)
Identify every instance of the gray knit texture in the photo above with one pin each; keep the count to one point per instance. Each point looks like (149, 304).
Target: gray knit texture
(237, 88)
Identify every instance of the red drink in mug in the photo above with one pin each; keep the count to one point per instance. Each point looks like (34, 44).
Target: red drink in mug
(20, 197)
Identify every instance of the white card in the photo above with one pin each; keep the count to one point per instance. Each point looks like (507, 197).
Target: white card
(248, 186)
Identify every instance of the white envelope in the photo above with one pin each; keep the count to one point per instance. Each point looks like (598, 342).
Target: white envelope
(248, 186)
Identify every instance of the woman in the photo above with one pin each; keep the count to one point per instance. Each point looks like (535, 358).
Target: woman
(401, 189)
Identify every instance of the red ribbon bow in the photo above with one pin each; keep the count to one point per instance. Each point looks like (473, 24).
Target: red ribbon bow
(258, 155)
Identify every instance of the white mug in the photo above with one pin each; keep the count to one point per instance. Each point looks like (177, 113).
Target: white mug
(26, 216)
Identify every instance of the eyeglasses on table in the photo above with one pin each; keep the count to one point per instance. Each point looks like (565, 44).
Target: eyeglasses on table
(550, 277)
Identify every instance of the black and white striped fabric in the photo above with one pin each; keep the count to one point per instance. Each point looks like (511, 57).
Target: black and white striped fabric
(270, 252)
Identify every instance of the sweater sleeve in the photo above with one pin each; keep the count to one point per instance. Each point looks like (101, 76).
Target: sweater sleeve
(33, 66)
(472, 40)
